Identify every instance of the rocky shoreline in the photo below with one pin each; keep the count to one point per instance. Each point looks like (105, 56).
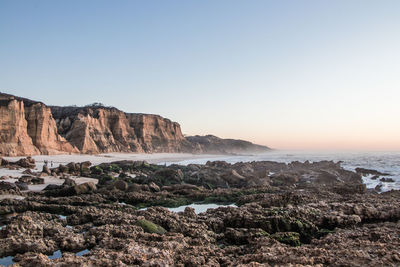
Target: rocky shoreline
(305, 214)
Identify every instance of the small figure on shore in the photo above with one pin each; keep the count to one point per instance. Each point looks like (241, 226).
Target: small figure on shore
(46, 162)
(51, 164)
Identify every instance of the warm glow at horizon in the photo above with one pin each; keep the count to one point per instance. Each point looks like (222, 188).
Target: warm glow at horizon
(304, 75)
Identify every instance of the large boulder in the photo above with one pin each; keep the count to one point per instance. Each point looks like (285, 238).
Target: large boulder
(7, 186)
(68, 182)
(46, 169)
(4, 162)
(72, 166)
(134, 188)
(84, 188)
(86, 164)
(22, 186)
(364, 171)
(27, 162)
(387, 180)
(52, 187)
(63, 168)
(29, 179)
(284, 179)
(153, 187)
(120, 185)
(168, 176)
(233, 178)
(28, 171)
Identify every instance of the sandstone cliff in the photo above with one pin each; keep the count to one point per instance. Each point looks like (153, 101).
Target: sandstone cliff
(95, 129)
(14, 138)
(29, 127)
(42, 129)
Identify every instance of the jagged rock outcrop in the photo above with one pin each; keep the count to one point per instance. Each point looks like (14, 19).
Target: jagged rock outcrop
(14, 138)
(42, 129)
(30, 127)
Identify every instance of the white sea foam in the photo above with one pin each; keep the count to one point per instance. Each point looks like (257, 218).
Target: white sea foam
(385, 162)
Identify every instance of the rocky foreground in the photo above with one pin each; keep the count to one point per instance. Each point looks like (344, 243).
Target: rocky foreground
(312, 214)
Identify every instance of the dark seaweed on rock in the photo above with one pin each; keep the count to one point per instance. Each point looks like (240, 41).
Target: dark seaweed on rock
(289, 214)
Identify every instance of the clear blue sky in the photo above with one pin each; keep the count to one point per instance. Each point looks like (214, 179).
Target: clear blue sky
(289, 74)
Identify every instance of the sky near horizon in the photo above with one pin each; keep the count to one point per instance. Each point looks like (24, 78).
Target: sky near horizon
(299, 74)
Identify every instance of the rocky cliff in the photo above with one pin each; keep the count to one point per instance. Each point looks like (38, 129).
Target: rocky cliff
(214, 144)
(95, 129)
(14, 138)
(29, 127)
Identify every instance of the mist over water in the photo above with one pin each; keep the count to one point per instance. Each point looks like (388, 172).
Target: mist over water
(385, 162)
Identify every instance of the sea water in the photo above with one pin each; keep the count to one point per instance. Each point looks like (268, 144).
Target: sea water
(385, 162)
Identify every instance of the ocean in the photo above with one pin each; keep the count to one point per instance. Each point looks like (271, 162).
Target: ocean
(385, 162)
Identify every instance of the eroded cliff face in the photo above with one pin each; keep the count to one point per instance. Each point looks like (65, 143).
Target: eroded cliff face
(96, 129)
(103, 130)
(158, 134)
(42, 129)
(14, 138)
(29, 127)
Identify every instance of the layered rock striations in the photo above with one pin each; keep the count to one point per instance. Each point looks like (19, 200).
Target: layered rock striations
(42, 129)
(30, 127)
(14, 138)
(96, 129)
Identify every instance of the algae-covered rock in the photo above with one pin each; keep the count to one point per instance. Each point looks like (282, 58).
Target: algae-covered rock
(290, 238)
(150, 227)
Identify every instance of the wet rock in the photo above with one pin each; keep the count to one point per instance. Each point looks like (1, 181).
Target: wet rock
(52, 187)
(364, 171)
(169, 176)
(378, 187)
(233, 178)
(46, 169)
(349, 189)
(22, 185)
(86, 164)
(333, 219)
(68, 182)
(284, 179)
(37, 180)
(134, 188)
(26, 179)
(27, 162)
(63, 169)
(28, 171)
(153, 187)
(120, 185)
(150, 227)
(29, 179)
(84, 188)
(7, 186)
(387, 180)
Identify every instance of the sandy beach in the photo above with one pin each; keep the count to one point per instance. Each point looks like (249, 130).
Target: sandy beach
(154, 158)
